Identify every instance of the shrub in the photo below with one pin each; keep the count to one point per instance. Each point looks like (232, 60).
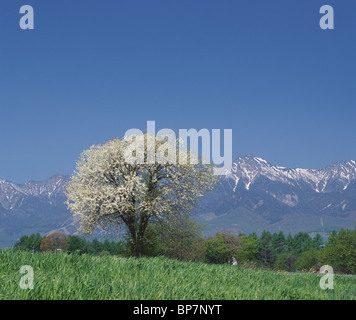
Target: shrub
(340, 252)
(222, 248)
(177, 239)
(247, 250)
(310, 260)
(285, 261)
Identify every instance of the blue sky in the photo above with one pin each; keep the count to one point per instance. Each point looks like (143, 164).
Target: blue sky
(90, 70)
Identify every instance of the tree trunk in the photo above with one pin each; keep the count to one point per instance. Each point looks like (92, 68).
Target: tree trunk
(134, 247)
(137, 236)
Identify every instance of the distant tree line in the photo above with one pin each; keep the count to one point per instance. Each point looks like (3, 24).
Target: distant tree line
(182, 240)
(300, 252)
(57, 242)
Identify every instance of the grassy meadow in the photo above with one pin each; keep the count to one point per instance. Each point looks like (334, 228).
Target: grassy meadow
(62, 276)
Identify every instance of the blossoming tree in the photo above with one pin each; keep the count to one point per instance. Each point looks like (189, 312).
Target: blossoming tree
(112, 187)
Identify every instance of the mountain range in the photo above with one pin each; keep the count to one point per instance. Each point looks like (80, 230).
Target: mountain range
(253, 197)
(33, 207)
(257, 196)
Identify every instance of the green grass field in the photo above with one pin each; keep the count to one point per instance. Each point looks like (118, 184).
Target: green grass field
(62, 276)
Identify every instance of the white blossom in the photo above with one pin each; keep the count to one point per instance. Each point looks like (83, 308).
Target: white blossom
(108, 190)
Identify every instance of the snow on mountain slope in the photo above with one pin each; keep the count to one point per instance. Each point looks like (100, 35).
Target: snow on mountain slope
(12, 195)
(337, 177)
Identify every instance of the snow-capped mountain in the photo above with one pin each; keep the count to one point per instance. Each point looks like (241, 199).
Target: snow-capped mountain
(13, 195)
(336, 177)
(257, 195)
(32, 207)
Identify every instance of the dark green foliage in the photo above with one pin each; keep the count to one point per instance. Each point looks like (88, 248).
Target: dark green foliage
(179, 238)
(278, 242)
(226, 248)
(317, 241)
(267, 253)
(285, 261)
(31, 242)
(340, 251)
(221, 248)
(247, 252)
(77, 245)
(310, 260)
(301, 242)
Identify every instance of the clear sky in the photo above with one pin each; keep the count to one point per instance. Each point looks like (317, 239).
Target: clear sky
(90, 70)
